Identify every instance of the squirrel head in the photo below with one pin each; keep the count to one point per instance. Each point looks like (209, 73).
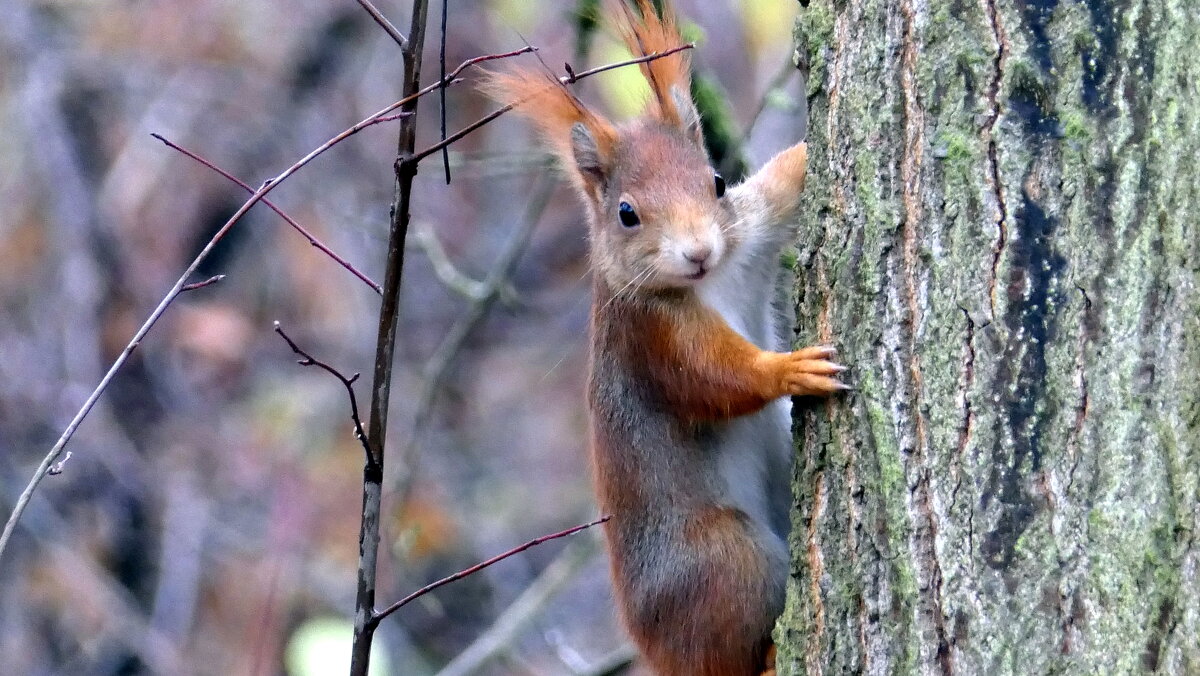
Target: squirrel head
(656, 213)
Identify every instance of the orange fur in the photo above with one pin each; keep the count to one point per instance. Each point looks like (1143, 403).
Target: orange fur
(780, 180)
(551, 107)
(706, 371)
(769, 665)
(719, 535)
(651, 33)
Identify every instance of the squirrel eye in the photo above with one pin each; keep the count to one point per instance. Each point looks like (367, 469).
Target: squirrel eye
(720, 183)
(628, 216)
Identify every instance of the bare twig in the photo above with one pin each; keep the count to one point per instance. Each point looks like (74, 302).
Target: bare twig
(200, 285)
(57, 468)
(442, 93)
(290, 221)
(384, 23)
(523, 610)
(348, 383)
(566, 79)
(480, 566)
(652, 56)
(57, 450)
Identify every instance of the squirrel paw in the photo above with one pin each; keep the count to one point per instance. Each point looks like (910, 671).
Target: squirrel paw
(809, 372)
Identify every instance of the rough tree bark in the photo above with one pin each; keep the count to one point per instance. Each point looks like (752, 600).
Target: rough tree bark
(1000, 236)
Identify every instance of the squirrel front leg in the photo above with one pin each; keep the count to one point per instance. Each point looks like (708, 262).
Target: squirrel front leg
(767, 203)
(707, 371)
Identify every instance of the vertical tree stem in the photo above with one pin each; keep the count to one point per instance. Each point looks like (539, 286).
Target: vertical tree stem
(385, 347)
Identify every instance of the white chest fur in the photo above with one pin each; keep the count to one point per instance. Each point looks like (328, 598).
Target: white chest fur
(753, 449)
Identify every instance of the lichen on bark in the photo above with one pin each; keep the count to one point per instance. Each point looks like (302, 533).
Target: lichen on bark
(1000, 236)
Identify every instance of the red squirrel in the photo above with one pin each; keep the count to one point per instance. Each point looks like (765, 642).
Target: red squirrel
(689, 415)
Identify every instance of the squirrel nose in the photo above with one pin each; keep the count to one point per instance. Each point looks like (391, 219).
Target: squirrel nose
(698, 252)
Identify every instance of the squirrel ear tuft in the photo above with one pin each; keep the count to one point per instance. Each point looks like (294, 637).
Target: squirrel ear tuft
(582, 140)
(646, 32)
(689, 115)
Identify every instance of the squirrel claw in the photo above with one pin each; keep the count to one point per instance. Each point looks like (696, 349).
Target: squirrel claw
(816, 352)
(808, 373)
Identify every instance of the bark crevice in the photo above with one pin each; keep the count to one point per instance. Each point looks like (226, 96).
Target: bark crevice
(964, 396)
(993, 153)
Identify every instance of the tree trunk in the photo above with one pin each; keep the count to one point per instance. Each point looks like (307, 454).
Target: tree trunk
(999, 237)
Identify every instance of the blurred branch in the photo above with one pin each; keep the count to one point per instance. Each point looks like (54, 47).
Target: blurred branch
(586, 16)
(448, 274)
(480, 566)
(384, 23)
(727, 146)
(290, 221)
(96, 587)
(616, 662)
(448, 349)
(182, 554)
(174, 292)
(718, 128)
(504, 631)
(445, 271)
(348, 383)
(506, 163)
(776, 82)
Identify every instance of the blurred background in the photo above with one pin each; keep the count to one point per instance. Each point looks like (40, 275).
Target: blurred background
(207, 522)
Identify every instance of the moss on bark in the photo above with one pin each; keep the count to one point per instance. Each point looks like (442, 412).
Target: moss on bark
(1000, 236)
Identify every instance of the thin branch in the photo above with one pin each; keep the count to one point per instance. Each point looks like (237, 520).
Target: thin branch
(200, 285)
(462, 132)
(523, 610)
(566, 79)
(442, 93)
(379, 616)
(290, 221)
(57, 450)
(348, 383)
(453, 75)
(652, 56)
(384, 23)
